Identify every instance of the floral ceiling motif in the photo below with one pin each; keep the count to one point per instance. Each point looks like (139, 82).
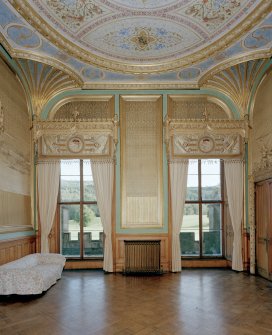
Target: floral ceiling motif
(139, 32)
(74, 14)
(173, 42)
(213, 13)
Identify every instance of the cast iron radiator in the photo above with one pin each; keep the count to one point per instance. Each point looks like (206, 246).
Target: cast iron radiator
(143, 257)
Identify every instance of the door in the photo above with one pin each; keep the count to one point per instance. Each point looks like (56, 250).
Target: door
(264, 228)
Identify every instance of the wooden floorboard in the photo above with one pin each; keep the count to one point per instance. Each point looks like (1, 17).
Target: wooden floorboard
(194, 302)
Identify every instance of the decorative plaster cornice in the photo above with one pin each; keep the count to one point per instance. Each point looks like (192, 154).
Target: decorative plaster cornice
(24, 8)
(259, 54)
(30, 55)
(237, 82)
(64, 126)
(44, 82)
(141, 86)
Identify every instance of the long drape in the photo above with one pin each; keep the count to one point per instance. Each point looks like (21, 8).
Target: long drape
(178, 183)
(48, 187)
(103, 174)
(234, 182)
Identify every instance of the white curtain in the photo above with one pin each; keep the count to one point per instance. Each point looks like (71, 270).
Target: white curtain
(48, 187)
(103, 176)
(178, 183)
(234, 182)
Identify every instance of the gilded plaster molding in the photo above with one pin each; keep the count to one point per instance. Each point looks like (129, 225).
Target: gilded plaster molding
(237, 82)
(36, 21)
(30, 55)
(44, 82)
(75, 137)
(258, 54)
(204, 138)
(141, 86)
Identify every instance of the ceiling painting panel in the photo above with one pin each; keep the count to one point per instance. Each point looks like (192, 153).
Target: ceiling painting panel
(141, 39)
(119, 42)
(144, 4)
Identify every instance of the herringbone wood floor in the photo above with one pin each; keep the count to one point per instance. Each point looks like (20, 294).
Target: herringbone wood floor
(195, 302)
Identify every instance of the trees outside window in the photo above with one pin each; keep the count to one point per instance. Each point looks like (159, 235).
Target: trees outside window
(80, 223)
(201, 231)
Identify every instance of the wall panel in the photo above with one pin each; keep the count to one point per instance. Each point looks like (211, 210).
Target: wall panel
(141, 161)
(13, 249)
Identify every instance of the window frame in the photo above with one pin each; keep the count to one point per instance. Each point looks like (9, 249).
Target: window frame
(200, 202)
(81, 204)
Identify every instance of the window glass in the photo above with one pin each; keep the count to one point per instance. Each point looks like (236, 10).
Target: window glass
(88, 183)
(92, 231)
(70, 181)
(211, 229)
(81, 227)
(70, 230)
(210, 179)
(192, 181)
(189, 235)
(201, 231)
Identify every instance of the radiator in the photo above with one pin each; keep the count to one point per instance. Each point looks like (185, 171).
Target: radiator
(142, 257)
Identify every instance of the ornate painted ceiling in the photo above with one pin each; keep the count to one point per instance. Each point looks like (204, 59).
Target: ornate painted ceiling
(143, 43)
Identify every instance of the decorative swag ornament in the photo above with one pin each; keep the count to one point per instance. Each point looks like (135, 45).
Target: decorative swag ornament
(205, 138)
(78, 138)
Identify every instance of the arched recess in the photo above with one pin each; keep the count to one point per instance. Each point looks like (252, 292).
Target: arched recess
(212, 94)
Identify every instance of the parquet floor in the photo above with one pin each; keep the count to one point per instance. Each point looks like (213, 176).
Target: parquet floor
(195, 302)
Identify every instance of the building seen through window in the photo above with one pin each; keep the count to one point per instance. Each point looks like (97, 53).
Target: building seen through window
(201, 231)
(80, 223)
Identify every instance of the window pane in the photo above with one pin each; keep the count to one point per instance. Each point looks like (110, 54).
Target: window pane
(87, 170)
(192, 181)
(70, 167)
(70, 230)
(92, 231)
(70, 181)
(212, 229)
(189, 233)
(89, 190)
(210, 179)
(69, 189)
(210, 166)
(211, 192)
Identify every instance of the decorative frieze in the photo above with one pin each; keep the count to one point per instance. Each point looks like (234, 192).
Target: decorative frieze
(76, 138)
(205, 138)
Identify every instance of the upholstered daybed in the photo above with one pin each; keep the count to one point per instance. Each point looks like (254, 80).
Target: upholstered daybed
(32, 274)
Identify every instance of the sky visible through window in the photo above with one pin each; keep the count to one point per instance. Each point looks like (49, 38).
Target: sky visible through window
(210, 169)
